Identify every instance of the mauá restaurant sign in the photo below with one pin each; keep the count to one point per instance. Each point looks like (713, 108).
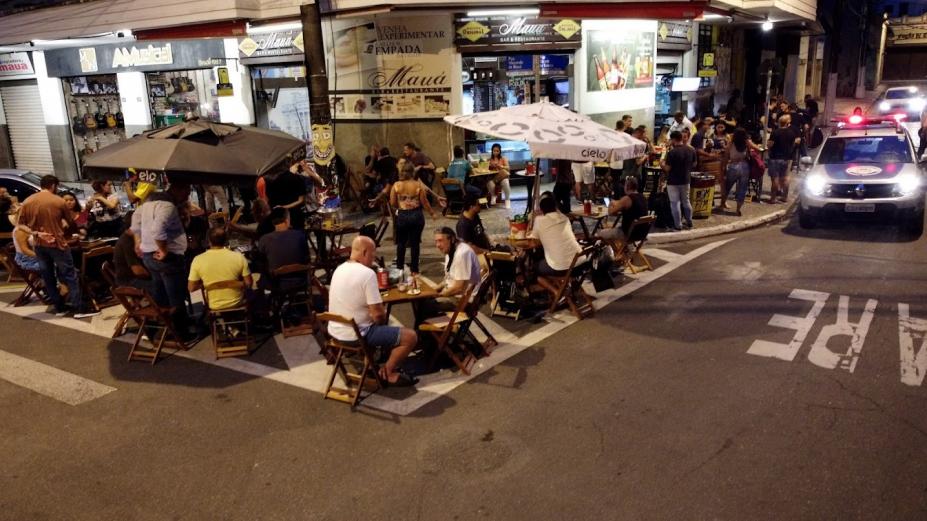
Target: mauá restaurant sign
(470, 32)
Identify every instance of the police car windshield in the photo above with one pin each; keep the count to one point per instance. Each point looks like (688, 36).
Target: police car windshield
(866, 149)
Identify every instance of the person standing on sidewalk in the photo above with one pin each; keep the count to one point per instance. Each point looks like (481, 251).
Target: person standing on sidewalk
(162, 241)
(46, 214)
(736, 166)
(677, 166)
(781, 144)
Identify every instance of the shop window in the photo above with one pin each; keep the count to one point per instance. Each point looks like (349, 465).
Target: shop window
(95, 112)
(182, 94)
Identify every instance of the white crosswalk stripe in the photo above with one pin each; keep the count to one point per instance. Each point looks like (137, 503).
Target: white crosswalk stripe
(46, 380)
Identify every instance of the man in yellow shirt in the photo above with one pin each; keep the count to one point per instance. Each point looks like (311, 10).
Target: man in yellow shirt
(218, 264)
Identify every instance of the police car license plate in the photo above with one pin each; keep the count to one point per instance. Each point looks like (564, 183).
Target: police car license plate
(859, 208)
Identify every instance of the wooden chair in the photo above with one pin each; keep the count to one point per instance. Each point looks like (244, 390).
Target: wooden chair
(455, 197)
(365, 373)
(141, 307)
(637, 236)
(109, 275)
(35, 287)
(449, 330)
(7, 258)
(230, 328)
(286, 297)
(473, 310)
(380, 232)
(91, 261)
(569, 285)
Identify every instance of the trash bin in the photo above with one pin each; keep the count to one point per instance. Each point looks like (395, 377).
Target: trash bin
(701, 195)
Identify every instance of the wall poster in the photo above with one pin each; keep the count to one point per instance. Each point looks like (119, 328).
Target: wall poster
(618, 58)
(390, 67)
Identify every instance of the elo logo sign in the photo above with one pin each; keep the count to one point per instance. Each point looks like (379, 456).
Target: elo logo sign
(594, 153)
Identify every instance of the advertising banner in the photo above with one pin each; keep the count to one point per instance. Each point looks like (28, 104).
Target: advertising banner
(504, 30)
(145, 56)
(391, 67)
(15, 64)
(619, 62)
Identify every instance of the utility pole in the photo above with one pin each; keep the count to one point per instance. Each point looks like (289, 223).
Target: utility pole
(830, 97)
(320, 116)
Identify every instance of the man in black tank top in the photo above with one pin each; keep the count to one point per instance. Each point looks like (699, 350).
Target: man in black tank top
(631, 207)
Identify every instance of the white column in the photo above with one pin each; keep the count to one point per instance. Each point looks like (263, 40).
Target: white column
(133, 95)
(238, 108)
(51, 93)
(802, 74)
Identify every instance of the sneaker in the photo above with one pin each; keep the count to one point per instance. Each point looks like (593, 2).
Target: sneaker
(688, 225)
(508, 204)
(62, 312)
(85, 313)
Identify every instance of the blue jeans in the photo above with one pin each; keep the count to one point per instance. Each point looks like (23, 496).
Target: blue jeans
(738, 173)
(59, 262)
(679, 196)
(169, 281)
(27, 263)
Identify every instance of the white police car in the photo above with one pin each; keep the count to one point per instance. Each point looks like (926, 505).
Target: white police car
(864, 169)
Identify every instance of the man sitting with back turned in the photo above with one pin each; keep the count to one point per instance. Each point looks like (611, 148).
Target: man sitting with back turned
(354, 294)
(555, 231)
(283, 246)
(460, 169)
(220, 264)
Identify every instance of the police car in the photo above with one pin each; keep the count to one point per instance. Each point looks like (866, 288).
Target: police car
(865, 169)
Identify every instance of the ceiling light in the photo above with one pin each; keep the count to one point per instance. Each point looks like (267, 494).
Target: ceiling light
(712, 16)
(767, 25)
(534, 11)
(272, 28)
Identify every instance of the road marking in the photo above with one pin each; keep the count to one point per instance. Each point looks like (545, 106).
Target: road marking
(663, 255)
(801, 325)
(308, 370)
(821, 356)
(913, 363)
(46, 380)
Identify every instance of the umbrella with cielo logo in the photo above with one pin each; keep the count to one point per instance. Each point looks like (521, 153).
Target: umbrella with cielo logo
(553, 132)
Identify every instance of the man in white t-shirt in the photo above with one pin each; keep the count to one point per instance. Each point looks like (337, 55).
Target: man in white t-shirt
(354, 293)
(555, 231)
(681, 122)
(461, 267)
(584, 172)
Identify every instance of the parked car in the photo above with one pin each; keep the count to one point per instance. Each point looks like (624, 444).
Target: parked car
(864, 170)
(23, 183)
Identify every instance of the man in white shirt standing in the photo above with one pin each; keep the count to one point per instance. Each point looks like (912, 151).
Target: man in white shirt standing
(354, 293)
(584, 174)
(680, 122)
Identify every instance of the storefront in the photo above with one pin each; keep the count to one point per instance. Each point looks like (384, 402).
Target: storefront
(513, 61)
(162, 82)
(278, 78)
(22, 122)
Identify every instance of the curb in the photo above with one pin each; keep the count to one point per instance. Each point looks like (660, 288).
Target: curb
(688, 235)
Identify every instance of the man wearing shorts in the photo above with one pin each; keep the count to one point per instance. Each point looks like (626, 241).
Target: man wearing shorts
(782, 144)
(354, 294)
(584, 172)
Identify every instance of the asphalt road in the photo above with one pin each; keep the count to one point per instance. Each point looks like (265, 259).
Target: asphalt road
(664, 406)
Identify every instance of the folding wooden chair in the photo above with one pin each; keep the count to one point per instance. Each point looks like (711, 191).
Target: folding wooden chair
(381, 229)
(230, 328)
(292, 297)
(7, 254)
(109, 275)
(637, 236)
(455, 197)
(91, 261)
(569, 285)
(449, 330)
(35, 287)
(473, 310)
(141, 307)
(365, 373)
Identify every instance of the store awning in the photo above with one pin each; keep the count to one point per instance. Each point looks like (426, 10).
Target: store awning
(633, 10)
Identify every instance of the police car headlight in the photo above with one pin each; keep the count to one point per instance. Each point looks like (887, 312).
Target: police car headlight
(907, 184)
(816, 184)
(917, 104)
(885, 106)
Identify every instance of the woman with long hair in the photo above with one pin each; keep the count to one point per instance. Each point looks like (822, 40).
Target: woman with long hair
(409, 197)
(663, 139)
(500, 165)
(78, 215)
(104, 217)
(736, 166)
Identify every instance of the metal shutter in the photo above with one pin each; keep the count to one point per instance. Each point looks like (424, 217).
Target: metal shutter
(26, 122)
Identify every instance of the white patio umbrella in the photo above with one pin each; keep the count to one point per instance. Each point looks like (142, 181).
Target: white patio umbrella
(553, 132)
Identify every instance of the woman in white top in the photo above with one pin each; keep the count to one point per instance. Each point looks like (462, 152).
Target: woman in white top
(25, 255)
